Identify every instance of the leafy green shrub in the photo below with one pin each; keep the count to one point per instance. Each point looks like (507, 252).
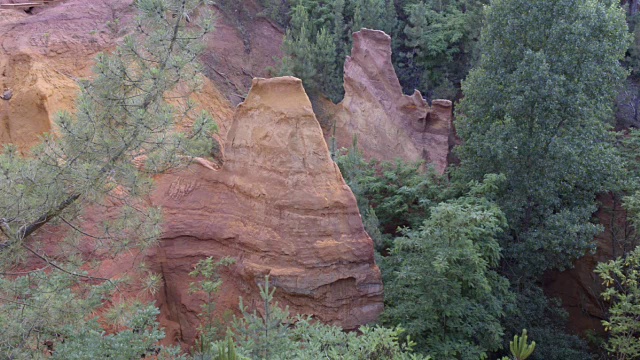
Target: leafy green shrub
(620, 278)
(391, 195)
(276, 335)
(440, 279)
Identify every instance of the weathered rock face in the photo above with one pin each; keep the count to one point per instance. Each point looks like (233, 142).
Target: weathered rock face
(35, 94)
(387, 123)
(39, 55)
(242, 47)
(279, 206)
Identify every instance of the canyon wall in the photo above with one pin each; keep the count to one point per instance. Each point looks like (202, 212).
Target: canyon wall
(44, 52)
(278, 205)
(579, 288)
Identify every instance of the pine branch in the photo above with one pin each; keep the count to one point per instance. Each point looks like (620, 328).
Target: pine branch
(49, 262)
(29, 229)
(15, 302)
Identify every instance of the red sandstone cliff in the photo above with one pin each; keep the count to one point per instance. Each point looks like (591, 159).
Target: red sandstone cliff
(276, 205)
(43, 53)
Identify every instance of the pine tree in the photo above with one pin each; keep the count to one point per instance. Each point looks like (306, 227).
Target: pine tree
(435, 36)
(298, 45)
(312, 53)
(276, 335)
(390, 17)
(358, 19)
(122, 132)
(328, 76)
(341, 42)
(209, 284)
(263, 337)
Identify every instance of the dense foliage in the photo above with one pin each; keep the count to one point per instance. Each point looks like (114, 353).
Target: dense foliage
(620, 279)
(137, 338)
(440, 275)
(441, 283)
(276, 335)
(391, 195)
(462, 255)
(536, 109)
(434, 43)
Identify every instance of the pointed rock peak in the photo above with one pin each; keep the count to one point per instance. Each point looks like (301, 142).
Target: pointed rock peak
(388, 124)
(371, 60)
(275, 128)
(280, 206)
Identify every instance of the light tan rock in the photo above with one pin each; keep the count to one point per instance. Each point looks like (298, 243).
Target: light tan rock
(387, 123)
(38, 92)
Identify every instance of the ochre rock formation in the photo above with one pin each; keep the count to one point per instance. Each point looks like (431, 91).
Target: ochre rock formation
(40, 54)
(279, 206)
(38, 92)
(387, 123)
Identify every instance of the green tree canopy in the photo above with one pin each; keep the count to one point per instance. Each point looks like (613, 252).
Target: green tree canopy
(536, 109)
(440, 282)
